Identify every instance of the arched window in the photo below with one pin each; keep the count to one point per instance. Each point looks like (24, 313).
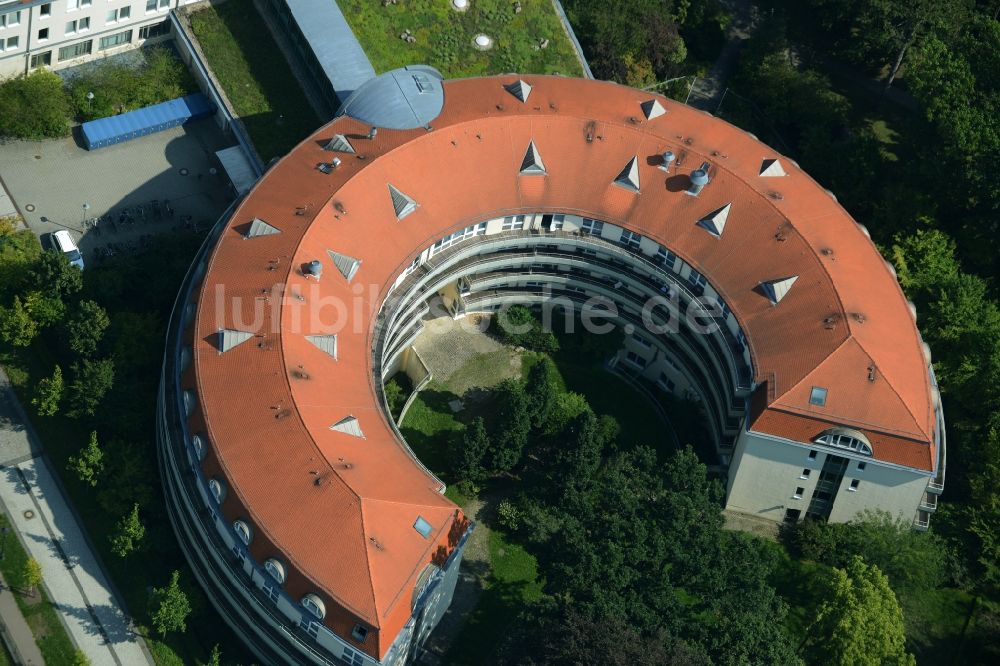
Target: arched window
(845, 438)
(200, 448)
(190, 402)
(314, 605)
(275, 569)
(243, 532)
(217, 487)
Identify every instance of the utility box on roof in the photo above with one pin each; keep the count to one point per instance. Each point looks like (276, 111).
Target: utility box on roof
(156, 118)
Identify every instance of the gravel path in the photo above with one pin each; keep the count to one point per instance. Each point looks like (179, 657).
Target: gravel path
(461, 356)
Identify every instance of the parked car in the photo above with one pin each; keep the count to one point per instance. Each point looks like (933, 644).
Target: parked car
(63, 242)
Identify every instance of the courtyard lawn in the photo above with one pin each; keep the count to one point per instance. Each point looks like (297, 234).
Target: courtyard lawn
(444, 36)
(255, 76)
(512, 585)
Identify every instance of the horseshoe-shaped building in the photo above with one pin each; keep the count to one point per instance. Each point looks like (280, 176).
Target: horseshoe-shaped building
(739, 281)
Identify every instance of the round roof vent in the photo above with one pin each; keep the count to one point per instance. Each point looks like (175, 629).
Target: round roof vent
(404, 98)
(699, 177)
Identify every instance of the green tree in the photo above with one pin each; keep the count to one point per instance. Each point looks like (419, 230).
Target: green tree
(88, 463)
(48, 393)
(860, 622)
(215, 659)
(45, 310)
(888, 28)
(127, 460)
(31, 575)
(513, 425)
(983, 514)
(474, 445)
(80, 658)
(91, 381)
(129, 534)
(541, 391)
(18, 253)
(170, 607)
(55, 276)
(86, 327)
(34, 107)
(16, 324)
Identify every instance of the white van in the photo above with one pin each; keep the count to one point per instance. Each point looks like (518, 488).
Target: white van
(64, 243)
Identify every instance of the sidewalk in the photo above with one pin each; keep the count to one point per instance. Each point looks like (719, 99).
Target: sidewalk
(17, 634)
(48, 529)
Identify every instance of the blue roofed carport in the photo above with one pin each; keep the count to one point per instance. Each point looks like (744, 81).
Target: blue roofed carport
(156, 118)
(333, 44)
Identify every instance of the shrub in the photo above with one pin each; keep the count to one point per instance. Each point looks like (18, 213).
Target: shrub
(33, 107)
(518, 326)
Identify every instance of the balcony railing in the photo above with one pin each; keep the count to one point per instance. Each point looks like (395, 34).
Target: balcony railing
(928, 502)
(922, 521)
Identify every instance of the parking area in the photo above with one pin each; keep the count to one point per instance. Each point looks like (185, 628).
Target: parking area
(59, 185)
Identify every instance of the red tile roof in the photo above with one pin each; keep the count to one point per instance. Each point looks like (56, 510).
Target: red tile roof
(341, 508)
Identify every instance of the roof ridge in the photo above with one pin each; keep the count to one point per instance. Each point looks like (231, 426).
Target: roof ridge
(892, 387)
(368, 564)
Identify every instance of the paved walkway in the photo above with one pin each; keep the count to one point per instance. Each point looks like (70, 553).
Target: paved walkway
(706, 94)
(17, 634)
(43, 520)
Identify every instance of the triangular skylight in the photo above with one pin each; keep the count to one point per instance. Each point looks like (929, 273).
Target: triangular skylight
(715, 222)
(325, 343)
(775, 290)
(229, 338)
(347, 266)
(771, 168)
(349, 426)
(519, 89)
(339, 144)
(532, 165)
(652, 109)
(402, 204)
(259, 227)
(629, 177)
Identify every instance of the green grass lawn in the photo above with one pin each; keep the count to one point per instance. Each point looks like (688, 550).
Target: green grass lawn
(512, 585)
(444, 37)
(39, 613)
(255, 76)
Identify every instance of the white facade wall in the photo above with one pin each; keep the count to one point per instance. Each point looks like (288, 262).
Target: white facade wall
(766, 471)
(43, 29)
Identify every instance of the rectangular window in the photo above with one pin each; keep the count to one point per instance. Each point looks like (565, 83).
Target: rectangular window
(635, 359)
(45, 10)
(666, 257)
(43, 34)
(557, 222)
(805, 473)
(71, 28)
(155, 30)
(854, 484)
(73, 5)
(359, 633)
(592, 227)
(798, 493)
(10, 20)
(75, 50)
(812, 455)
(115, 40)
(120, 14)
(513, 223)
(150, 6)
(271, 593)
(12, 43)
(696, 279)
(630, 239)
(353, 658)
(84, 24)
(642, 341)
(817, 396)
(41, 60)
(861, 466)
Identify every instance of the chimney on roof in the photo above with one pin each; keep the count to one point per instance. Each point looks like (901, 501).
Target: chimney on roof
(372, 133)
(699, 179)
(667, 159)
(871, 373)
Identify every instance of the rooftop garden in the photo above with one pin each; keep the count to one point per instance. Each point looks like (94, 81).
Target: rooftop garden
(524, 36)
